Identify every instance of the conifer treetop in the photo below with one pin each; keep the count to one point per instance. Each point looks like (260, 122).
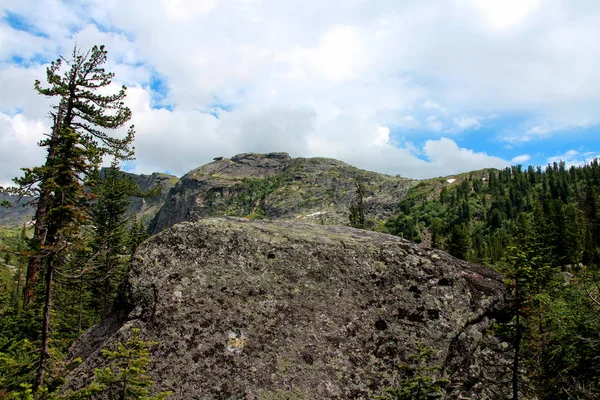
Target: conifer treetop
(82, 107)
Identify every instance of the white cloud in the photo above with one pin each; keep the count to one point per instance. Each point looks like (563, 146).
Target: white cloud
(544, 131)
(447, 157)
(383, 136)
(339, 56)
(338, 78)
(188, 9)
(431, 105)
(464, 123)
(502, 14)
(18, 137)
(434, 124)
(574, 158)
(520, 159)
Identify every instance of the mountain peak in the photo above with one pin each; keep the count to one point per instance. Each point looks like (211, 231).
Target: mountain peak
(275, 185)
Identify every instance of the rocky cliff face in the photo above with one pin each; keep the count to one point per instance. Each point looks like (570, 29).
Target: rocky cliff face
(146, 209)
(274, 186)
(19, 212)
(282, 310)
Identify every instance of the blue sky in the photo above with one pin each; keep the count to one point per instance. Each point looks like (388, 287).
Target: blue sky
(420, 89)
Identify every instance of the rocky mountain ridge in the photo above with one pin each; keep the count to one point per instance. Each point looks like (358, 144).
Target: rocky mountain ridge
(276, 186)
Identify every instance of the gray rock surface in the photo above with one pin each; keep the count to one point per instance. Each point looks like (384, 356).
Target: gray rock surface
(146, 209)
(281, 310)
(18, 213)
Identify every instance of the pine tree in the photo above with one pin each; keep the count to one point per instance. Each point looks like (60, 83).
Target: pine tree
(436, 231)
(137, 235)
(460, 242)
(75, 147)
(125, 378)
(357, 209)
(112, 243)
(421, 382)
(109, 238)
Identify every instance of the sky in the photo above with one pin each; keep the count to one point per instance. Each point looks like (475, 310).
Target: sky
(416, 88)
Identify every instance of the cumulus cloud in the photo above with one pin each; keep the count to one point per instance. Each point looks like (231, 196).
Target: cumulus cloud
(445, 155)
(574, 158)
(18, 136)
(359, 81)
(523, 158)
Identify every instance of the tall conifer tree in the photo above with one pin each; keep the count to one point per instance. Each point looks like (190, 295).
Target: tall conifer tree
(75, 147)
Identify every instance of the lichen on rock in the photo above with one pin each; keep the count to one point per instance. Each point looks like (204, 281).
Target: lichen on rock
(246, 309)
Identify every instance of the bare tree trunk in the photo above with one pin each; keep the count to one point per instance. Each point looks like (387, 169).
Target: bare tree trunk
(37, 243)
(106, 292)
(41, 228)
(80, 308)
(44, 353)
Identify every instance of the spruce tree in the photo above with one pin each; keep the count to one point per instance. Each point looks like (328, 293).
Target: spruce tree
(460, 242)
(137, 235)
(357, 208)
(421, 382)
(125, 378)
(109, 238)
(75, 148)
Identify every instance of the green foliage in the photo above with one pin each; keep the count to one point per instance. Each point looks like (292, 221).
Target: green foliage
(125, 378)
(63, 186)
(405, 226)
(459, 244)
(13, 247)
(24, 393)
(109, 242)
(247, 198)
(357, 208)
(17, 364)
(420, 381)
(137, 235)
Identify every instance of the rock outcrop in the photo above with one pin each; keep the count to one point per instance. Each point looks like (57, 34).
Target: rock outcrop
(282, 310)
(18, 213)
(146, 209)
(276, 186)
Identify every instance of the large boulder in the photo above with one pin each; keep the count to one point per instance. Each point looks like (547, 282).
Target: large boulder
(281, 310)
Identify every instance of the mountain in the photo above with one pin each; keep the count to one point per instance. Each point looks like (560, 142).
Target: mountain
(247, 309)
(478, 215)
(146, 209)
(276, 186)
(18, 213)
(271, 186)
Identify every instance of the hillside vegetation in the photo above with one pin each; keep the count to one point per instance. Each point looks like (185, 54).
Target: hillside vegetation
(541, 228)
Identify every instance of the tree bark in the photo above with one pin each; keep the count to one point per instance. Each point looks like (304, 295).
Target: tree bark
(44, 353)
(80, 308)
(37, 243)
(517, 345)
